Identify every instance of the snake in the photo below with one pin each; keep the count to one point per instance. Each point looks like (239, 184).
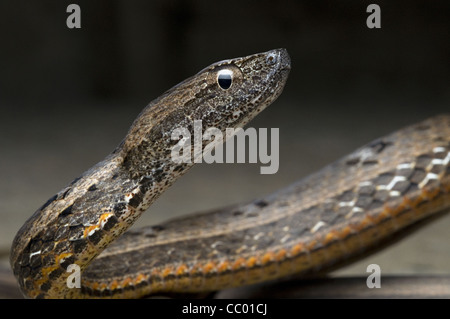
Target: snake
(345, 210)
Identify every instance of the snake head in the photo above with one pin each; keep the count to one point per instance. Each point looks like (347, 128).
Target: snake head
(236, 90)
(226, 94)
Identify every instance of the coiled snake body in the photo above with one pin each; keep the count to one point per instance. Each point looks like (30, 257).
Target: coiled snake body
(335, 214)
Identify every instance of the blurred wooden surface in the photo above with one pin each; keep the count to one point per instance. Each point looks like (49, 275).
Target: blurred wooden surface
(8, 285)
(408, 287)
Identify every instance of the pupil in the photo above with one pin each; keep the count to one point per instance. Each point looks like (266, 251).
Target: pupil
(224, 79)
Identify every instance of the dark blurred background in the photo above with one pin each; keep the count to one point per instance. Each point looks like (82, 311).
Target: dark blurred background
(68, 96)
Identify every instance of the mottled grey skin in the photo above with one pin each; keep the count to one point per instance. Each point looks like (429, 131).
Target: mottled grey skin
(75, 225)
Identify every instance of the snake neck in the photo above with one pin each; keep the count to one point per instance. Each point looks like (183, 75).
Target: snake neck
(93, 210)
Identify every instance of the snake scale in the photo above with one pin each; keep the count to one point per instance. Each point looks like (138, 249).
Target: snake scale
(340, 212)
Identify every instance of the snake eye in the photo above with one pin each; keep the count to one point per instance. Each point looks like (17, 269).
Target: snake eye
(225, 78)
